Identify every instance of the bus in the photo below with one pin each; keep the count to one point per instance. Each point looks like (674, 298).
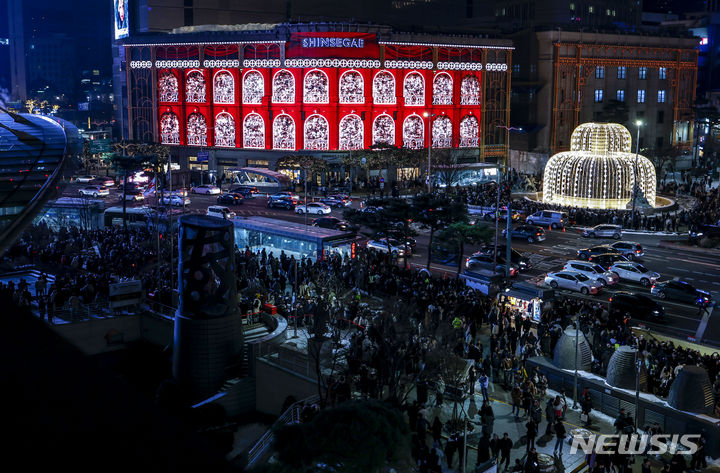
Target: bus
(145, 217)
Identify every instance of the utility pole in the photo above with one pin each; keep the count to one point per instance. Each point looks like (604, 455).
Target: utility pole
(638, 124)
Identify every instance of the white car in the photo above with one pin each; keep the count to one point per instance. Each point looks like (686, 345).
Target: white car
(220, 211)
(94, 191)
(635, 272)
(396, 248)
(175, 200)
(87, 178)
(593, 271)
(205, 189)
(573, 281)
(313, 208)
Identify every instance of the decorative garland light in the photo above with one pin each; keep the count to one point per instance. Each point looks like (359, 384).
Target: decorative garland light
(221, 63)
(261, 63)
(253, 88)
(383, 130)
(141, 64)
(469, 129)
(169, 129)
(224, 88)
(317, 135)
(413, 132)
(168, 87)
(174, 64)
(224, 130)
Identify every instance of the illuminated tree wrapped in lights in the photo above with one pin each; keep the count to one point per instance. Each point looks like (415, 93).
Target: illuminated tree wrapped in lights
(253, 131)
(442, 132)
(195, 87)
(599, 171)
(442, 89)
(253, 88)
(169, 129)
(413, 132)
(316, 133)
(414, 89)
(351, 87)
(469, 129)
(284, 87)
(351, 132)
(284, 132)
(384, 88)
(224, 130)
(224, 88)
(168, 87)
(197, 130)
(316, 88)
(470, 91)
(383, 130)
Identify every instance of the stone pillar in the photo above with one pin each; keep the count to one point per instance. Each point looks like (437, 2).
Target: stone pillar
(208, 338)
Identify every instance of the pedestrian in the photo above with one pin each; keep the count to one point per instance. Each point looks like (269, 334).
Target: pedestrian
(495, 446)
(531, 434)
(487, 417)
(560, 432)
(505, 447)
(472, 409)
(516, 395)
(437, 430)
(483, 450)
(484, 382)
(550, 416)
(450, 447)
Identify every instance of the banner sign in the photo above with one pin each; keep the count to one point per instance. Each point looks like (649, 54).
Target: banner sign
(328, 44)
(126, 293)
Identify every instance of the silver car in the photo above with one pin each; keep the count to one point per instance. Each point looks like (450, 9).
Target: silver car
(573, 281)
(635, 272)
(593, 271)
(604, 231)
(396, 248)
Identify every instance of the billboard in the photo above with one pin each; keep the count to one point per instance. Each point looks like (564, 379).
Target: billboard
(121, 19)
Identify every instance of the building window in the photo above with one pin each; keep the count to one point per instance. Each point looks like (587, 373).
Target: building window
(253, 131)
(352, 86)
(384, 88)
(621, 72)
(642, 72)
(641, 95)
(317, 134)
(470, 91)
(572, 6)
(283, 88)
(598, 95)
(284, 132)
(591, 9)
(516, 69)
(442, 89)
(224, 130)
(223, 87)
(383, 130)
(469, 129)
(316, 88)
(414, 89)
(620, 95)
(662, 73)
(661, 116)
(196, 130)
(351, 132)
(169, 129)
(599, 72)
(195, 87)
(253, 88)
(414, 132)
(442, 132)
(168, 87)
(661, 96)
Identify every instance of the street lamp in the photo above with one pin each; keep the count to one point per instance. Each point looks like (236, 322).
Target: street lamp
(638, 124)
(576, 323)
(508, 250)
(429, 116)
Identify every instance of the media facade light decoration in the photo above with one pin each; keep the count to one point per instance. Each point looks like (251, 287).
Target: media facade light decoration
(599, 171)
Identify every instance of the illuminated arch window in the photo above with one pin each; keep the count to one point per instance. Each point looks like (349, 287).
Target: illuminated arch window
(442, 132)
(223, 87)
(284, 132)
(413, 132)
(253, 131)
(168, 87)
(253, 87)
(316, 89)
(384, 88)
(351, 87)
(196, 130)
(442, 89)
(224, 130)
(169, 129)
(195, 87)
(351, 132)
(317, 134)
(383, 130)
(469, 130)
(470, 91)
(283, 87)
(414, 89)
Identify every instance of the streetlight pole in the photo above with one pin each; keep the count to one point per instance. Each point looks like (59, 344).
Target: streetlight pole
(429, 116)
(577, 339)
(638, 124)
(508, 248)
(637, 382)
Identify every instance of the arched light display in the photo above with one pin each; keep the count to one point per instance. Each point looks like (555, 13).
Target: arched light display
(469, 90)
(599, 171)
(351, 132)
(469, 129)
(224, 130)
(413, 132)
(169, 129)
(316, 87)
(284, 132)
(223, 88)
(253, 88)
(168, 87)
(383, 130)
(384, 88)
(195, 87)
(283, 87)
(442, 132)
(253, 131)
(317, 134)
(351, 87)
(442, 89)
(414, 89)
(196, 130)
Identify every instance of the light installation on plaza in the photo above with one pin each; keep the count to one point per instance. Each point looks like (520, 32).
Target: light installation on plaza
(223, 87)
(196, 130)
(316, 87)
(599, 171)
(253, 88)
(442, 89)
(317, 134)
(383, 130)
(414, 89)
(253, 131)
(469, 91)
(283, 132)
(169, 129)
(351, 132)
(195, 87)
(413, 132)
(224, 130)
(168, 87)
(384, 88)
(283, 87)
(442, 132)
(469, 129)
(351, 87)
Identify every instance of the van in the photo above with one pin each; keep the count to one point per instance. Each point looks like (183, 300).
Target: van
(220, 212)
(550, 218)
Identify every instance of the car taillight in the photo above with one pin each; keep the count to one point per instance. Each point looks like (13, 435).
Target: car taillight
(653, 287)
(538, 234)
(637, 251)
(610, 300)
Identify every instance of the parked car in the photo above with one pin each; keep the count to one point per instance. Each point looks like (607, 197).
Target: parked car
(593, 271)
(205, 189)
(103, 181)
(607, 259)
(639, 306)
(635, 272)
(629, 249)
(285, 195)
(526, 232)
(549, 218)
(133, 195)
(230, 199)
(572, 281)
(94, 191)
(480, 260)
(85, 179)
(175, 200)
(283, 203)
(313, 208)
(681, 291)
(586, 253)
(220, 212)
(396, 247)
(603, 231)
(332, 223)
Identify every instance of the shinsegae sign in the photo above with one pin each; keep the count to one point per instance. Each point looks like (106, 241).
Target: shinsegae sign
(328, 42)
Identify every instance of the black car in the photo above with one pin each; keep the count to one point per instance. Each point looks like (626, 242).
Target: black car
(333, 223)
(397, 235)
(246, 191)
(681, 291)
(639, 306)
(287, 204)
(230, 199)
(704, 231)
(607, 259)
(530, 233)
(523, 262)
(586, 253)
